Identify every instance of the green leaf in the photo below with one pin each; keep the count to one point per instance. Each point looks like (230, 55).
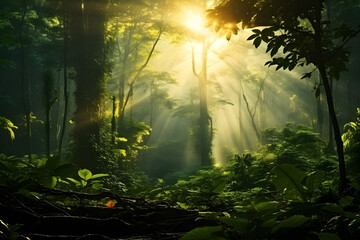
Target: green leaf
(313, 181)
(287, 179)
(265, 206)
(99, 175)
(85, 174)
(42, 163)
(218, 185)
(346, 201)
(48, 181)
(76, 182)
(83, 183)
(292, 222)
(243, 209)
(97, 186)
(182, 205)
(203, 233)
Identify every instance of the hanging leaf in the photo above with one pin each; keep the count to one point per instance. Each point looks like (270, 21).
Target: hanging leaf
(257, 42)
(228, 36)
(252, 37)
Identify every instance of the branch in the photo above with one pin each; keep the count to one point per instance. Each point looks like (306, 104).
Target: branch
(261, 88)
(140, 70)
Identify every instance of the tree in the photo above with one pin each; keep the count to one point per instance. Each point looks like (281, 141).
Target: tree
(305, 38)
(50, 97)
(87, 31)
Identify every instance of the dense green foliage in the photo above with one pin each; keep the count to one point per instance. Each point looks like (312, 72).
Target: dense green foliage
(265, 194)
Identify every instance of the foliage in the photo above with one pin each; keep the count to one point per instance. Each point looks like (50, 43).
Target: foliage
(293, 212)
(293, 31)
(20, 174)
(263, 195)
(295, 184)
(132, 136)
(249, 175)
(297, 144)
(351, 138)
(87, 178)
(10, 232)
(8, 125)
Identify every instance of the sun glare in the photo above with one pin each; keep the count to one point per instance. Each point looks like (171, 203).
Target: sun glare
(195, 21)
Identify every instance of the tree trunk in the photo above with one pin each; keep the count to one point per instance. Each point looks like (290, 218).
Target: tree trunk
(330, 146)
(25, 84)
(65, 63)
(113, 121)
(319, 111)
(88, 27)
(205, 142)
(204, 119)
(330, 102)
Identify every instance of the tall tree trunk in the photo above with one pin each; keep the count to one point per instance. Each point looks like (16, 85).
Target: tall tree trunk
(88, 27)
(25, 84)
(50, 98)
(113, 121)
(205, 141)
(321, 66)
(65, 66)
(204, 119)
(319, 111)
(330, 146)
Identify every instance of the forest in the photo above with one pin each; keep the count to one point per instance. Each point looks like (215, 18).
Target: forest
(179, 119)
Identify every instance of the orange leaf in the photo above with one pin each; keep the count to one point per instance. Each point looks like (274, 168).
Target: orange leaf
(110, 204)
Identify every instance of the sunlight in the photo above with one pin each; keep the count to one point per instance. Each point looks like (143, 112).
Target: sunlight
(195, 22)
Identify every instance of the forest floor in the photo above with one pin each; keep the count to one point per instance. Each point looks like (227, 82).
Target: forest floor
(130, 218)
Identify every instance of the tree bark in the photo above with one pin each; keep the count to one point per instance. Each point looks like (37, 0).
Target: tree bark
(25, 84)
(65, 65)
(204, 119)
(322, 68)
(87, 30)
